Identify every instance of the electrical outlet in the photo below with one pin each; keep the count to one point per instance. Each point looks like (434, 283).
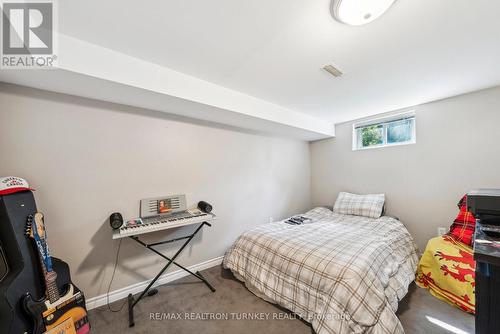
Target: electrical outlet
(442, 231)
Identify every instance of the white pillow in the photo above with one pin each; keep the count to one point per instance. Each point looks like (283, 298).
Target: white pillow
(360, 205)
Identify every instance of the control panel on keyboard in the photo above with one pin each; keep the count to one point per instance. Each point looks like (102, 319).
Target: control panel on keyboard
(162, 222)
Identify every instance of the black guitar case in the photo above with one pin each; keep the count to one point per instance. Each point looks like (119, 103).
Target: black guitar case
(20, 270)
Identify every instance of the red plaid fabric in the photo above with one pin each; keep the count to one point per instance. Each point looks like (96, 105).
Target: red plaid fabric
(464, 225)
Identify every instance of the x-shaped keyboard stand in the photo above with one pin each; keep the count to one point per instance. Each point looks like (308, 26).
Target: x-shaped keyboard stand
(133, 301)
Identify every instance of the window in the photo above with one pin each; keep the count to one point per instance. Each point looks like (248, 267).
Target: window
(389, 131)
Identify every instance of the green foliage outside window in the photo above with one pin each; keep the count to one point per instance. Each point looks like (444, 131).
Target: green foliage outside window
(372, 135)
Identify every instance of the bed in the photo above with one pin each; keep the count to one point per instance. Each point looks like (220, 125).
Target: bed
(341, 273)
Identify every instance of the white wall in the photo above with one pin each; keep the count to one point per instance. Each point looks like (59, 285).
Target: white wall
(88, 159)
(458, 149)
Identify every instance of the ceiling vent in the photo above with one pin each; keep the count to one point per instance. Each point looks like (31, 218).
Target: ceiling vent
(333, 70)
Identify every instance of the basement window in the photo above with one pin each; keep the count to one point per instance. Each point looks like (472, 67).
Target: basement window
(382, 132)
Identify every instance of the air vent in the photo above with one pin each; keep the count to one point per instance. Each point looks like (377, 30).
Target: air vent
(333, 70)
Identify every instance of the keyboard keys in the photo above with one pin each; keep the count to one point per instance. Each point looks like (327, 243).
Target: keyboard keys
(161, 223)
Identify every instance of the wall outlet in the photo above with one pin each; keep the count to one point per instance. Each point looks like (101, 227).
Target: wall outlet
(442, 231)
(271, 219)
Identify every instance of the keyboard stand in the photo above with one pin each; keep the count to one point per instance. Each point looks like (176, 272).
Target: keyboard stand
(132, 302)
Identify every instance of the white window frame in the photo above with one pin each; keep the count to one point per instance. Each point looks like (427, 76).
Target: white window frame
(384, 121)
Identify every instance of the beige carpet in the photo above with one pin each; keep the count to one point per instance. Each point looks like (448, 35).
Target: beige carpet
(419, 311)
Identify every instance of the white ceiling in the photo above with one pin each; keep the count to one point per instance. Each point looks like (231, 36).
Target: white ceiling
(274, 50)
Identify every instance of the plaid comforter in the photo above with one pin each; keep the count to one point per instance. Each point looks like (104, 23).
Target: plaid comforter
(341, 273)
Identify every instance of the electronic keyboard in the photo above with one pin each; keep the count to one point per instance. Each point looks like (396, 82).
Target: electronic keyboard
(162, 222)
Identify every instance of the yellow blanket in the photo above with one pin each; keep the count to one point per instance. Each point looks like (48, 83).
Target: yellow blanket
(447, 269)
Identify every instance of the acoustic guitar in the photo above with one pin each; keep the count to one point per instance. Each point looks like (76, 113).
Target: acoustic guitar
(53, 310)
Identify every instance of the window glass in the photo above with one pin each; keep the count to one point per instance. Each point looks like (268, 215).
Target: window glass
(386, 132)
(372, 135)
(399, 131)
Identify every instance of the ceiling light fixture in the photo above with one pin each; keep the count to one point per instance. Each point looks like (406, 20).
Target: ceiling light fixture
(359, 12)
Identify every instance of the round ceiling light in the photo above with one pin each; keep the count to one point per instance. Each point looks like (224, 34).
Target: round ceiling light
(359, 12)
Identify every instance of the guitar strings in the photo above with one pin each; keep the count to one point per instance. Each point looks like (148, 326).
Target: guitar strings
(111, 281)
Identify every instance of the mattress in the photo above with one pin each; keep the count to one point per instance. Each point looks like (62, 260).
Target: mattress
(341, 273)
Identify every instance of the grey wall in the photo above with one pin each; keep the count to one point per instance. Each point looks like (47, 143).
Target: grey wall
(457, 149)
(87, 159)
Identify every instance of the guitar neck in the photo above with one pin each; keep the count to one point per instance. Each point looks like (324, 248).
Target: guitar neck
(36, 230)
(51, 289)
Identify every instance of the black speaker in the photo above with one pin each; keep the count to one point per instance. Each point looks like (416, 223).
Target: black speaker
(116, 220)
(204, 206)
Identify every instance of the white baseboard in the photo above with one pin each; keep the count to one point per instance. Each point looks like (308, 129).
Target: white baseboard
(138, 287)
